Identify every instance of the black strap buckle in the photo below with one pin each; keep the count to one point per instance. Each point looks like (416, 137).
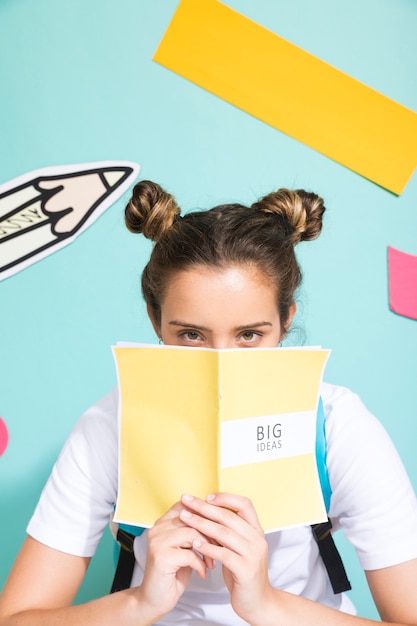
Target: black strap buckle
(125, 539)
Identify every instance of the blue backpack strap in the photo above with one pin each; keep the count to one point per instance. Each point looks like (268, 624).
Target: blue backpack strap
(321, 455)
(136, 531)
(322, 532)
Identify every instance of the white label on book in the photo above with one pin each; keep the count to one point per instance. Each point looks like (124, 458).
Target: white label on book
(257, 439)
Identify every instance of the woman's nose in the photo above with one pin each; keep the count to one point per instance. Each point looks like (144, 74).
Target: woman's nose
(221, 343)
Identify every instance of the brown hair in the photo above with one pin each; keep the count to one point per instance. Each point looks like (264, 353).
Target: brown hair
(262, 236)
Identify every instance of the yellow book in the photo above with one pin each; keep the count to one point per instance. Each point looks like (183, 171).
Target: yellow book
(199, 421)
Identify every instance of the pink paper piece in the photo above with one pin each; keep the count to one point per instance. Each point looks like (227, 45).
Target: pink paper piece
(4, 436)
(402, 283)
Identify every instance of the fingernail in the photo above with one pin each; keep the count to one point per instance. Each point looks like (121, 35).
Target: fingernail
(185, 514)
(187, 497)
(196, 543)
(210, 497)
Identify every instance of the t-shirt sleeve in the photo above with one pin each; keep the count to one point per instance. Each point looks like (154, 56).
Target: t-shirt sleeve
(80, 494)
(373, 500)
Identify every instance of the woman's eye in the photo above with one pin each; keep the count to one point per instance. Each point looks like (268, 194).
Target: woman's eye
(191, 335)
(249, 335)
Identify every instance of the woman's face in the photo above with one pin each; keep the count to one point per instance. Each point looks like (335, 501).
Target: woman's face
(221, 308)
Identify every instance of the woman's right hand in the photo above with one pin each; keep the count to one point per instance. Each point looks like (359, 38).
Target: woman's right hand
(43, 582)
(170, 562)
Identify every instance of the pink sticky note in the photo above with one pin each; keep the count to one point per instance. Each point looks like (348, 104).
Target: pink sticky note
(4, 436)
(402, 283)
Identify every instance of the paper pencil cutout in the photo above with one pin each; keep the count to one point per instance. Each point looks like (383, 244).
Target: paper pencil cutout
(200, 421)
(270, 78)
(402, 283)
(46, 209)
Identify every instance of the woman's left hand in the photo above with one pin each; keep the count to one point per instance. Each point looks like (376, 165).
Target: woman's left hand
(239, 545)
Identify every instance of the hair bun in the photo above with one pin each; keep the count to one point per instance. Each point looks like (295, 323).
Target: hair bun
(314, 209)
(151, 210)
(301, 210)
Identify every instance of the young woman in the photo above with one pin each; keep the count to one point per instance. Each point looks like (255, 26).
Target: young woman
(222, 278)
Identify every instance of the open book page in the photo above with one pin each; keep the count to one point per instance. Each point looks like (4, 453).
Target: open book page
(168, 428)
(268, 422)
(198, 421)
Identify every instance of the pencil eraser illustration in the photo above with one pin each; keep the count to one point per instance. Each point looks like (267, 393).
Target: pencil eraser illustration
(402, 283)
(44, 210)
(4, 436)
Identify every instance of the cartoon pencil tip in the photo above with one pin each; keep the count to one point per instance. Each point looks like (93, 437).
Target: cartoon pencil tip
(114, 176)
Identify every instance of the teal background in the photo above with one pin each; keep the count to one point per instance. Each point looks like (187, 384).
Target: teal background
(78, 84)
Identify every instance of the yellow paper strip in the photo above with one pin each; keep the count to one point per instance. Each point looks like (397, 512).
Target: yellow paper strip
(263, 74)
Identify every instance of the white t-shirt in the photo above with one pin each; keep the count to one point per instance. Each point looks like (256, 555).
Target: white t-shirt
(372, 501)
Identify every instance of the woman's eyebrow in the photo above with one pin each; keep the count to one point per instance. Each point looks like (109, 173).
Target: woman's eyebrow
(187, 325)
(198, 327)
(255, 325)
